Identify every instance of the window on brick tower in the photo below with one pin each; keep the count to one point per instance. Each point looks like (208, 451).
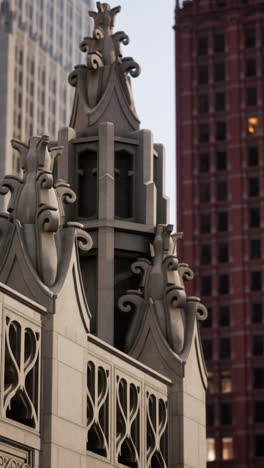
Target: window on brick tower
(224, 316)
(250, 37)
(254, 217)
(206, 254)
(251, 67)
(206, 285)
(226, 382)
(251, 95)
(208, 322)
(203, 103)
(208, 349)
(220, 101)
(221, 160)
(259, 411)
(253, 156)
(220, 130)
(202, 46)
(222, 221)
(258, 377)
(219, 43)
(226, 413)
(209, 414)
(253, 186)
(210, 383)
(221, 190)
(203, 74)
(223, 284)
(223, 254)
(259, 445)
(219, 71)
(204, 162)
(258, 345)
(252, 125)
(256, 280)
(255, 248)
(211, 452)
(205, 223)
(204, 132)
(227, 448)
(204, 195)
(225, 348)
(256, 311)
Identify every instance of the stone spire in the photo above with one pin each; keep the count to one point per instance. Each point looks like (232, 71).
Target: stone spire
(103, 88)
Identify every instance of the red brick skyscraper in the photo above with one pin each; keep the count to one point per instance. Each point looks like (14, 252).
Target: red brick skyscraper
(220, 190)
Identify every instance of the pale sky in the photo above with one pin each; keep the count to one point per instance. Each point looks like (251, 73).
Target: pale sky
(149, 25)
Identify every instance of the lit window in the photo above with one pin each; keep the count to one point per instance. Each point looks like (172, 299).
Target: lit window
(226, 382)
(211, 449)
(227, 448)
(210, 382)
(252, 126)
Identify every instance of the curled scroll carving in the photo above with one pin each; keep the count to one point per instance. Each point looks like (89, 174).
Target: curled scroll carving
(37, 206)
(162, 293)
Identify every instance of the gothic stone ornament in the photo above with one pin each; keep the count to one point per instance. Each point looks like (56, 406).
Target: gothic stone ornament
(36, 206)
(163, 295)
(106, 70)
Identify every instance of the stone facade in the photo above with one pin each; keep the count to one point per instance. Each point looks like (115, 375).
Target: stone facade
(101, 356)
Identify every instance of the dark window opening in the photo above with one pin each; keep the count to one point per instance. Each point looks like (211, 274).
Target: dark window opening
(251, 67)
(226, 413)
(253, 156)
(219, 43)
(223, 284)
(253, 187)
(255, 248)
(223, 253)
(250, 37)
(254, 217)
(259, 445)
(203, 74)
(203, 132)
(222, 222)
(258, 374)
(258, 345)
(259, 411)
(225, 348)
(206, 254)
(205, 223)
(202, 46)
(208, 349)
(204, 192)
(257, 312)
(220, 101)
(251, 96)
(203, 103)
(256, 281)
(219, 71)
(208, 322)
(206, 285)
(220, 130)
(209, 414)
(204, 162)
(224, 316)
(221, 160)
(88, 184)
(221, 191)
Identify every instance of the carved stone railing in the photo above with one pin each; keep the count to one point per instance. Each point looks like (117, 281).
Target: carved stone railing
(127, 410)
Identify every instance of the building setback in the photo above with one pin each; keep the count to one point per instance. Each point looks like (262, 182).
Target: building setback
(220, 136)
(39, 46)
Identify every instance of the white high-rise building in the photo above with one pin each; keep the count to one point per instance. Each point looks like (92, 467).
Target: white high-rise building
(39, 47)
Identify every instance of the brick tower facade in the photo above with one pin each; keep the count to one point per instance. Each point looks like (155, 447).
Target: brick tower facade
(220, 187)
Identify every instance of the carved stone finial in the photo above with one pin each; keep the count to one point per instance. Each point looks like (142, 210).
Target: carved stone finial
(106, 69)
(163, 294)
(37, 204)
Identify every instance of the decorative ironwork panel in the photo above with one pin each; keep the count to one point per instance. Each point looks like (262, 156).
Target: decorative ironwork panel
(21, 370)
(128, 409)
(14, 456)
(98, 409)
(157, 427)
